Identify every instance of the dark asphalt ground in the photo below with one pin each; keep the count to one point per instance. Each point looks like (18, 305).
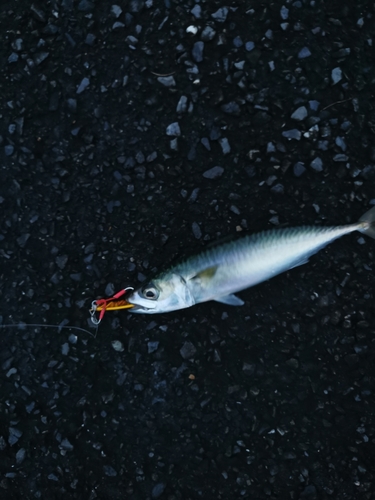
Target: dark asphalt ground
(274, 400)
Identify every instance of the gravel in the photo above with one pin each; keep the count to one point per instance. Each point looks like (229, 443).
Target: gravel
(220, 15)
(83, 85)
(173, 129)
(336, 75)
(197, 51)
(292, 134)
(188, 350)
(167, 81)
(213, 173)
(299, 114)
(299, 169)
(136, 132)
(317, 164)
(304, 53)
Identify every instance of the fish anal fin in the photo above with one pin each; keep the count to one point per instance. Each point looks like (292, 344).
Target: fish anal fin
(300, 262)
(230, 300)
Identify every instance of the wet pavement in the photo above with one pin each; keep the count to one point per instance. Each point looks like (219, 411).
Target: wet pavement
(135, 132)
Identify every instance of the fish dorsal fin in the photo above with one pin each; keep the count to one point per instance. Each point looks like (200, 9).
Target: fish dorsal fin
(230, 300)
(206, 274)
(222, 241)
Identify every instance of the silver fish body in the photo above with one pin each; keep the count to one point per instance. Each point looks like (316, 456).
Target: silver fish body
(218, 272)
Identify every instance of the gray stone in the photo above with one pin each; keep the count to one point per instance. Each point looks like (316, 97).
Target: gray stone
(206, 143)
(317, 164)
(66, 444)
(299, 169)
(65, 349)
(215, 133)
(314, 105)
(173, 130)
(109, 471)
(157, 490)
(116, 10)
(9, 149)
(40, 57)
(22, 240)
(336, 75)
(284, 13)
(225, 146)
(152, 156)
(182, 105)
(20, 455)
(239, 65)
(299, 114)
(13, 58)
(196, 230)
(237, 42)
(213, 173)
(14, 435)
(208, 34)
(346, 125)
(197, 51)
(188, 350)
(109, 289)
(292, 134)
(140, 157)
(85, 6)
(136, 6)
(231, 108)
(167, 81)
(61, 261)
(17, 44)
(117, 345)
(340, 157)
(278, 188)
(303, 53)
(340, 142)
(152, 346)
(269, 34)
(131, 40)
(220, 15)
(67, 4)
(196, 11)
(83, 85)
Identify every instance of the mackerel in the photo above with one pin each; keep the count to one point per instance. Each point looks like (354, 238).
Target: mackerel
(218, 272)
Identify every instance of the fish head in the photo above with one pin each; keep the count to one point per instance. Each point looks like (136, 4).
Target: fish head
(166, 293)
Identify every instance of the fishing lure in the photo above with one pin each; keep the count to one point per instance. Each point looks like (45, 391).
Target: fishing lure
(111, 304)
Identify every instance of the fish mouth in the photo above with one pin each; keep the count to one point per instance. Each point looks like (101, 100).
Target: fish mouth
(140, 308)
(137, 308)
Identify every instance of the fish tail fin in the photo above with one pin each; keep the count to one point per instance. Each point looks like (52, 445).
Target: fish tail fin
(368, 223)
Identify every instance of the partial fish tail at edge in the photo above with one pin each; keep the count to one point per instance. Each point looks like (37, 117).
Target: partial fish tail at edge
(367, 223)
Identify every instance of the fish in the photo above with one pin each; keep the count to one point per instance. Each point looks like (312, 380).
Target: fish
(220, 271)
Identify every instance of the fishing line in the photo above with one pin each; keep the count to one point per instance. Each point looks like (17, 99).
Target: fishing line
(101, 305)
(37, 325)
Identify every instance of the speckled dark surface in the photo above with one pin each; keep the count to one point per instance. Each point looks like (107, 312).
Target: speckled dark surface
(109, 170)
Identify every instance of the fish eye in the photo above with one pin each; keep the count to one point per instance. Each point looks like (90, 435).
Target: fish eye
(150, 292)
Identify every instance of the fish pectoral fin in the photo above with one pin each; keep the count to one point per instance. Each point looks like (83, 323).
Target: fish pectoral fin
(206, 274)
(230, 300)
